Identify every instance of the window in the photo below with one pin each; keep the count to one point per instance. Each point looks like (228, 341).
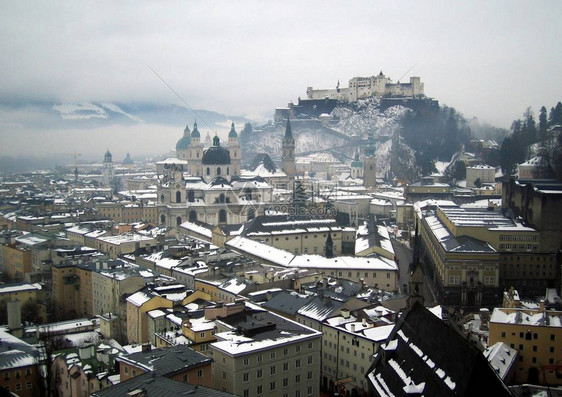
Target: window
(552, 337)
(285, 382)
(272, 386)
(259, 374)
(18, 386)
(246, 393)
(245, 377)
(298, 363)
(202, 335)
(503, 334)
(185, 379)
(246, 361)
(285, 351)
(126, 370)
(285, 366)
(272, 370)
(298, 348)
(199, 373)
(309, 390)
(297, 378)
(272, 355)
(309, 375)
(310, 345)
(223, 375)
(260, 358)
(309, 359)
(259, 389)
(28, 385)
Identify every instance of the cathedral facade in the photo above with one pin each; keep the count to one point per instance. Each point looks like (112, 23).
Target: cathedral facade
(209, 187)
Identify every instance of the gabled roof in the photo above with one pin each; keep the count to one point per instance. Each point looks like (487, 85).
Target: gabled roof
(166, 361)
(158, 386)
(425, 354)
(287, 302)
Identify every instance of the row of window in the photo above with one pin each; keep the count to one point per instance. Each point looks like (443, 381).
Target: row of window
(272, 386)
(518, 238)
(259, 375)
(273, 355)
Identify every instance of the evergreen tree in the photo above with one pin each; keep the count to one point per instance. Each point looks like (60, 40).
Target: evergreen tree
(543, 124)
(555, 115)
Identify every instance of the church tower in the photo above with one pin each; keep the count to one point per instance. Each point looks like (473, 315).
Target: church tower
(235, 151)
(356, 167)
(108, 170)
(195, 153)
(369, 163)
(288, 159)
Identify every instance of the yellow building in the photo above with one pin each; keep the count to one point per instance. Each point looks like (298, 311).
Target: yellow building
(16, 260)
(24, 293)
(537, 335)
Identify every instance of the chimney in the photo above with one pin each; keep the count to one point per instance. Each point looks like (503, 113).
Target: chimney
(344, 313)
(146, 347)
(541, 305)
(352, 327)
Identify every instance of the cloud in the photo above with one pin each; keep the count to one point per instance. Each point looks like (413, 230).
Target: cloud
(487, 59)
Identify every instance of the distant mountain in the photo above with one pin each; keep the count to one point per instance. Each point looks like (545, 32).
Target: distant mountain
(99, 114)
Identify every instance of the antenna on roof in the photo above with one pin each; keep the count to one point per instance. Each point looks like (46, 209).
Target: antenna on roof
(408, 71)
(181, 99)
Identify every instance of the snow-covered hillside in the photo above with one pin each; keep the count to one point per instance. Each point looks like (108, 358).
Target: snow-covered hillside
(365, 116)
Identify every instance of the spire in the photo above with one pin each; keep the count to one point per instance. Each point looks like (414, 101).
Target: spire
(288, 132)
(216, 141)
(186, 131)
(329, 247)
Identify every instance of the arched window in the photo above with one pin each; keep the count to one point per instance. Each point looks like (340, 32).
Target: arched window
(218, 170)
(221, 198)
(192, 216)
(162, 219)
(190, 196)
(208, 171)
(162, 198)
(222, 216)
(178, 221)
(227, 170)
(198, 154)
(178, 197)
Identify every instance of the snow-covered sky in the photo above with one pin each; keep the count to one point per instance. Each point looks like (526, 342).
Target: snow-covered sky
(489, 59)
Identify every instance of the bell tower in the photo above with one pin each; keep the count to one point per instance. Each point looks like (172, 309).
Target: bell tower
(235, 151)
(288, 159)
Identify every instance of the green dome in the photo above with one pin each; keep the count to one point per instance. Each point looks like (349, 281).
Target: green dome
(232, 133)
(183, 143)
(356, 162)
(195, 133)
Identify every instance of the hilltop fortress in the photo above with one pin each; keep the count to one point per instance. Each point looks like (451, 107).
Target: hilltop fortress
(365, 87)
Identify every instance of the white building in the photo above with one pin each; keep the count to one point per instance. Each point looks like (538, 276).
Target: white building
(364, 87)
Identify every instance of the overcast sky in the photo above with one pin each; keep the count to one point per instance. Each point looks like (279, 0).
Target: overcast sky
(489, 59)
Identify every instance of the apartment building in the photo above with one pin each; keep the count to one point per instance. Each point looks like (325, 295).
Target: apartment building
(349, 343)
(477, 252)
(537, 335)
(259, 353)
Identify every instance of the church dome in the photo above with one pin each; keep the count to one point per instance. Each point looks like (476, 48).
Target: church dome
(195, 133)
(356, 163)
(185, 140)
(107, 157)
(232, 133)
(216, 154)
